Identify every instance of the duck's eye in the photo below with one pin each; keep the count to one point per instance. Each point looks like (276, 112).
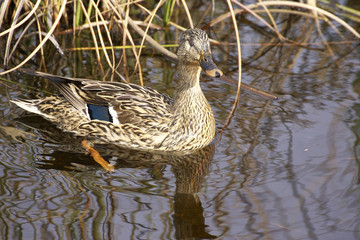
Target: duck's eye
(191, 42)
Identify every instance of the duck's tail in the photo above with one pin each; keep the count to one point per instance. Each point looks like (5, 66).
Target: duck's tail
(28, 105)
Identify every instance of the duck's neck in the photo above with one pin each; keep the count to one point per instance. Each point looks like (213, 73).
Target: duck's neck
(189, 98)
(188, 89)
(188, 77)
(193, 118)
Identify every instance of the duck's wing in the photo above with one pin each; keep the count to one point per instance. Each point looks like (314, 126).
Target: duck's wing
(65, 85)
(111, 101)
(127, 103)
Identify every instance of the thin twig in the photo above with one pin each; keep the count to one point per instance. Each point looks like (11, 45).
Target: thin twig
(312, 8)
(187, 13)
(145, 33)
(151, 41)
(236, 102)
(19, 7)
(98, 13)
(262, 19)
(57, 20)
(22, 21)
(289, 4)
(93, 35)
(127, 34)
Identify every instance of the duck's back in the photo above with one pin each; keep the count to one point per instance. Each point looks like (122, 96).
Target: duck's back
(108, 112)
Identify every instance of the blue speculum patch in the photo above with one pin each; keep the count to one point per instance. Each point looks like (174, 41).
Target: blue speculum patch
(99, 112)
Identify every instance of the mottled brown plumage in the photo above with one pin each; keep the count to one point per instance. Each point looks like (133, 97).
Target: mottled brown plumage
(137, 117)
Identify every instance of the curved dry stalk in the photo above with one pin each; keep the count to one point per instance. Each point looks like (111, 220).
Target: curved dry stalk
(289, 4)
(149, 39)
(53, 40)
(350, 13)
(147, 29)
(11, 33)
(21, 37)
(98, 13)
(312, 8)
(93, 35)
(127, 33)
(288, 11)
(274, 29)
(249, 88)
(205, 13)
(316, 17)
(57, 20)
(280, 36)
(150, 13)
(152, 42)
(337, 31)
(221, 18)
(40, 36)
(3, 7)
(187, 13)
(122, 47)
(107, 22)
(129, 36)
(137, 57)
(239, 58)
(236, 102)
(22, 21)
(159, 18)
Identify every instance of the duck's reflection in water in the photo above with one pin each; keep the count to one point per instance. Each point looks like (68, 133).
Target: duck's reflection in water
(189, 168)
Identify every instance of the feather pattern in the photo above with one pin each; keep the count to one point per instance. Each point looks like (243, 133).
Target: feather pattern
(136, 117)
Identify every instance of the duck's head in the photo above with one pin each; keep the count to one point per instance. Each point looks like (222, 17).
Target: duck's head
(194, 48)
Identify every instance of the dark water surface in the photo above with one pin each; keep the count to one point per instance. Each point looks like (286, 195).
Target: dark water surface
(284, 169)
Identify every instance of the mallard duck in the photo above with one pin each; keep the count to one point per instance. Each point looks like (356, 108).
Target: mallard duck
(136, 117)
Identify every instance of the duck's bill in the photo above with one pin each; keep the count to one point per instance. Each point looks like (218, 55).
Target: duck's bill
(209, 66)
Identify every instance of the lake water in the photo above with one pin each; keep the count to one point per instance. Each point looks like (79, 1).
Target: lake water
(283, 169)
